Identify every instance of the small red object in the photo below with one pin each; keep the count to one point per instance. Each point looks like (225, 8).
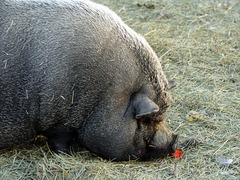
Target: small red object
(178, 154)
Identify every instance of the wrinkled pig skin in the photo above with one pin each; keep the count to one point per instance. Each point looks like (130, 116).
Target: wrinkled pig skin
(71, 69)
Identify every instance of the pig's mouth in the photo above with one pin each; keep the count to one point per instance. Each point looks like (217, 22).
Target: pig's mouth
(152, 151)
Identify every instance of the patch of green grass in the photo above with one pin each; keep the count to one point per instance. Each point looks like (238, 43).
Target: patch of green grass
(198, 43)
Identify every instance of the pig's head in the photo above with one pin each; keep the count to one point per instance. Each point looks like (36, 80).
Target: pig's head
(137, 131)
(129, 122)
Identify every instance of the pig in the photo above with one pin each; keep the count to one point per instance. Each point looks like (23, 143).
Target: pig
(73, 70)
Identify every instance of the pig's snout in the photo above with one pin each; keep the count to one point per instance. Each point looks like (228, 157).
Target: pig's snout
(173, 145)
(171, 148)
(159, 150)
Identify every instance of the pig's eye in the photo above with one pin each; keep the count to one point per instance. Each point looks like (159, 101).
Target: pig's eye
(147, 121)
(147, 126)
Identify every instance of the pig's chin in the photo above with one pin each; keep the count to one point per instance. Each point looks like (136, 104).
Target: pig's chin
(148, 152)
(154, 152)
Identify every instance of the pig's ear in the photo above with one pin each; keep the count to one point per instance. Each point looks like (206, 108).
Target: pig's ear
(171, 84)
(144, 106)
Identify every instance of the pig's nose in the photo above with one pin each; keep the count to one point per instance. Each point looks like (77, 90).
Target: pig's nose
(173, 145)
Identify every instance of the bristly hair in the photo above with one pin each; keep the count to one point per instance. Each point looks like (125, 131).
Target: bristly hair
(147, 59)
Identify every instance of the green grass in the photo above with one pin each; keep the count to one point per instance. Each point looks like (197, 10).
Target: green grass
(198, 42)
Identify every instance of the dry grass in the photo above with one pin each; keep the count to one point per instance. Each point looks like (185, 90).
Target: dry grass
(199, 45)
